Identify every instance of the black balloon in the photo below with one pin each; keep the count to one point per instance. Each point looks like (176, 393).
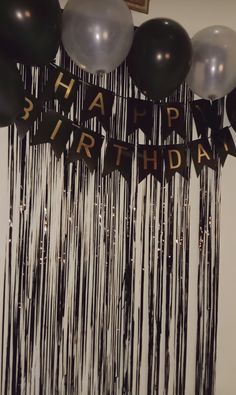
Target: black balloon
(160, 57)
(30, 30)
(12, 97)
(231, 108)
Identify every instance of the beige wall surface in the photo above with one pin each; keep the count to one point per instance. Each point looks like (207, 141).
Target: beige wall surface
(192, 14)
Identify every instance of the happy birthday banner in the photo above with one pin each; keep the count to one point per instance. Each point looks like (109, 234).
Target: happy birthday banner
(56, 129)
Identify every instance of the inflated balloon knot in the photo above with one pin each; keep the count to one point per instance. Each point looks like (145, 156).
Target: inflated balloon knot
(212, 97)
(101, 74)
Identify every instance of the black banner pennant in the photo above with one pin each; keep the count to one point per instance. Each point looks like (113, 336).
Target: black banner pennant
(202, 155)
(205, 115)
(98, 103)
(62, 86)
(32, 110)
(87, 146)
(175, 158)
(224, 144)
(139, 116)
(150, 161)
(172, 119)
(118, 156)
(231, 108)
(54, 129)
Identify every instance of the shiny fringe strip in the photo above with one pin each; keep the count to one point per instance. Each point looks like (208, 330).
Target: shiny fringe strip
(95, 272)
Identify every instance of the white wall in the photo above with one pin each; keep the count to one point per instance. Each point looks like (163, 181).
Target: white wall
(195, 15)
(192, 14)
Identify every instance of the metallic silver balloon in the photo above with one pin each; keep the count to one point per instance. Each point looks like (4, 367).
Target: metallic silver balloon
(97, 34)
(213, 71)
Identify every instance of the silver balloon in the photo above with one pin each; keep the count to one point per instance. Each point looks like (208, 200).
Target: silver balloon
(213, 71)
(97, 34)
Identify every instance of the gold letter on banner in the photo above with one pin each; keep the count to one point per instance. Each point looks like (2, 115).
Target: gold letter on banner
(98, 102)
(175, 115)
(201, 153)
(67, 87)
(171, 161)
(27, 110)
(153, 159)
(120, 148)
(226, 147)
(86, 146)
(56, 130)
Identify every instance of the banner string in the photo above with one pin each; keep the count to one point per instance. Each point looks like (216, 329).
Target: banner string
(158, 102)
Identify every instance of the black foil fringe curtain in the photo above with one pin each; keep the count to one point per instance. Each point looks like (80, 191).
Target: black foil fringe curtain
(95, 273)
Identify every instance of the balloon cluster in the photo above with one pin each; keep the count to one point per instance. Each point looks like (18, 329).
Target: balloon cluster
(163, 56)
(99, 36)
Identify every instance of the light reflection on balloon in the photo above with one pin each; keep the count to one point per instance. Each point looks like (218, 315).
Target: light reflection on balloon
(213, 71)
(97, 35)
(160, 57)
(30, 31)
